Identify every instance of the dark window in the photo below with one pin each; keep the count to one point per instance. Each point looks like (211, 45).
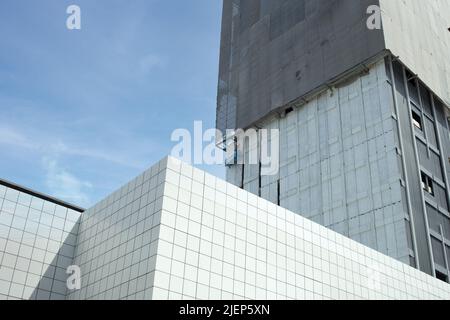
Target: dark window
(412, 87)
(278, 193)
(289, 110)
(427, 184)
(411, 78)
(417, 120)
(441, 276)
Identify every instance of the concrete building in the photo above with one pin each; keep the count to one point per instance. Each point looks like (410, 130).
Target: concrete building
(359, 203)
(362, 116)
(37, 243)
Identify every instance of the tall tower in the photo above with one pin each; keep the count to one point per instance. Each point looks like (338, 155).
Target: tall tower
(362, 112)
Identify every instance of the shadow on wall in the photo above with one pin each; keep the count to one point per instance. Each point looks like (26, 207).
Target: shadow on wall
(52, 285)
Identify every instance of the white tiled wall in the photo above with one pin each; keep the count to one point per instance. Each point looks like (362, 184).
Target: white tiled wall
(176, 232)
(219, 242)
(117, 240)
(37, 243)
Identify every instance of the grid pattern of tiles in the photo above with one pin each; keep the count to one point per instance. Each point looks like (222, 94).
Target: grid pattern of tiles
(117, 241)
(37, 243)
(217, 241)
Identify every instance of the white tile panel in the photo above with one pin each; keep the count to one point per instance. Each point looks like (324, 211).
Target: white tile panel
(257, 250)
(37, 242)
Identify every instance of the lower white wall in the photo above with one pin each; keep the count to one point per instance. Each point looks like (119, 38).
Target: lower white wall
(220, 242)
(118, 238)
(37, 243)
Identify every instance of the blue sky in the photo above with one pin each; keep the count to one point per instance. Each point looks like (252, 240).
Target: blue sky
(84, 111)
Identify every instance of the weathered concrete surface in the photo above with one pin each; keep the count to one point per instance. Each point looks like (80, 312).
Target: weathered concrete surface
(274, 51)
(417, 32)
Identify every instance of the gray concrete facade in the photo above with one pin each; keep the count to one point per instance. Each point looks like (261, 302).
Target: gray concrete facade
(354, 159)
(417, 32)
(364, 144)
(423, 138)
(338, 165)
(273, 52)
(279, 52)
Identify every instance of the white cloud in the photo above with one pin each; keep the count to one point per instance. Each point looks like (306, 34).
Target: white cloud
(15, 138)
(149, 62)
(112, 157)
(64, 185)
(55, 158)
(12, 137)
